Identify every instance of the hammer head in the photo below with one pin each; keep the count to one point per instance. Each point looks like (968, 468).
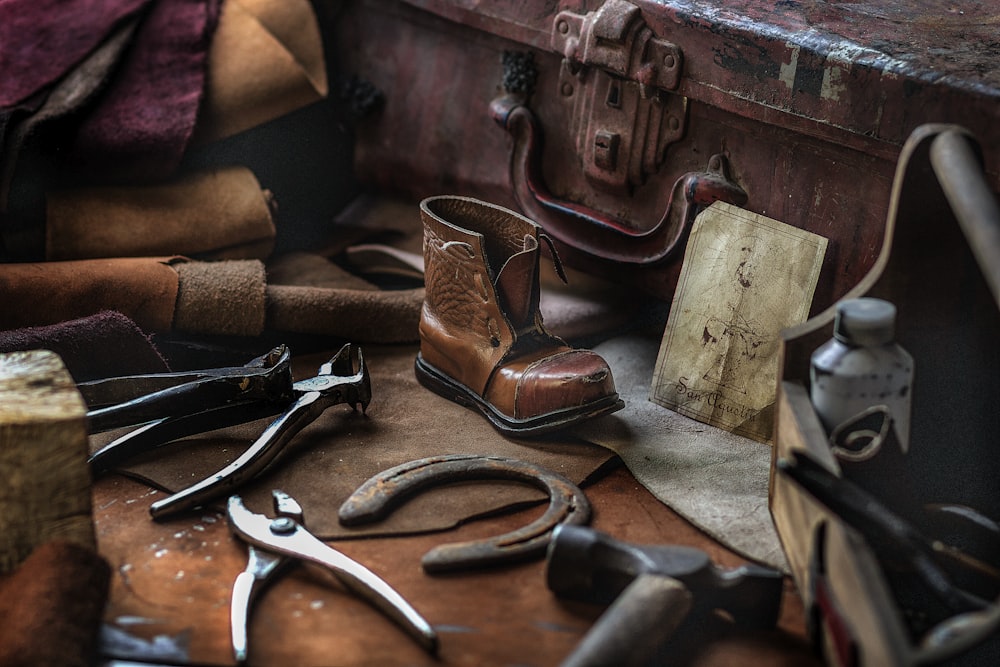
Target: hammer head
(586, 565)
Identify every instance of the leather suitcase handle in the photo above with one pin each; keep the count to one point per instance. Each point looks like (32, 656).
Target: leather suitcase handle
(593, 232)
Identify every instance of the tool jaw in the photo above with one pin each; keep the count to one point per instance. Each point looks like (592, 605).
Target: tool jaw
(340, 381)
(252, 528)
(137, 399)
(287, 536)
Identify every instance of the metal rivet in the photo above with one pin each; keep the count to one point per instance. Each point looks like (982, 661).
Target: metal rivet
(283, 525)
(674, 123)
(562, 27)
(566, 89)
(669, 61)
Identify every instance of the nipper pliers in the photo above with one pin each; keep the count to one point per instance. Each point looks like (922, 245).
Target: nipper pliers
(169, 406)
(275, 543)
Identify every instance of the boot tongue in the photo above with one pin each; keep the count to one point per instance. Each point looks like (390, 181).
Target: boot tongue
(517, 285)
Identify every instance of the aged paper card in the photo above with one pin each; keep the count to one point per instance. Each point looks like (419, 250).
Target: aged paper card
(745, 277)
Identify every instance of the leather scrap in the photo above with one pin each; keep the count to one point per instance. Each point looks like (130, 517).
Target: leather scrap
(229, 297)
(73, 92)
(42, 293)
(308, 293)
(33, 56)
(143, 123)
(83, 343)
(218, 214)
(266, 60)
(225, 298)
(716, 480)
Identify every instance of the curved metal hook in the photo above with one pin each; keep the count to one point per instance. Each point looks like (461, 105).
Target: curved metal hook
(377, 497)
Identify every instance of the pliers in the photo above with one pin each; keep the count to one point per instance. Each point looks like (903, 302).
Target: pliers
(274, 544)
(169, 406)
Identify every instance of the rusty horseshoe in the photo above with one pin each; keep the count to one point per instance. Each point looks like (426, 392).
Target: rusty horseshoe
(377, 497)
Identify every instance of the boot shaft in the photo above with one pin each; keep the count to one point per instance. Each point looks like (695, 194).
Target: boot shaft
(481, 278)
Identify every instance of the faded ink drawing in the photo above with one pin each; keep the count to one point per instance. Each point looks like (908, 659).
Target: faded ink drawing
(745, 277)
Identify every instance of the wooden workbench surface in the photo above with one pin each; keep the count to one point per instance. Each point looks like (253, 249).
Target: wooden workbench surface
(171, 587)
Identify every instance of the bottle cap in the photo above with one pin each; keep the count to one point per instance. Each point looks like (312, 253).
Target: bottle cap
(865, 321)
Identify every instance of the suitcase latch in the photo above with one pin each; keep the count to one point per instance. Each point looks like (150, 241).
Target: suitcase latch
(616, 74)
(615, 38)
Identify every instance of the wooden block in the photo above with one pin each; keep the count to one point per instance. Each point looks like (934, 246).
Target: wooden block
(45, 492)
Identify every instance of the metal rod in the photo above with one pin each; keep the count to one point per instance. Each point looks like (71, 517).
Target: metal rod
(961, 176)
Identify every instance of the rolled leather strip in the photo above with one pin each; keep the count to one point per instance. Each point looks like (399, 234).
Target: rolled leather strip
(376, 316)
(221, 298)
(307, 293)
(40, 293)
(222, 214)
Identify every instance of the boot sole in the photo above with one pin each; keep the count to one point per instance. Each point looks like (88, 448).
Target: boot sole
(443, 385)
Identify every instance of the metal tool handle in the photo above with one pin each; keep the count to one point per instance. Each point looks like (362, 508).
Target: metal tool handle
(249, 464)
(638, 622)
(177, 400)
(155, 434)
(960, 173)
(239, 611)
(360, 580)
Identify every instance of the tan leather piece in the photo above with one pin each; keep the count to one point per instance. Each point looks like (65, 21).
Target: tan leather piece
(222, 214)
(38, 294)
(310, 294)
(266, 60)
(376, 316)
(222, 298)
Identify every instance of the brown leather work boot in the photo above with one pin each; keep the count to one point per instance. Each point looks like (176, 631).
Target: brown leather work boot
(482, 342)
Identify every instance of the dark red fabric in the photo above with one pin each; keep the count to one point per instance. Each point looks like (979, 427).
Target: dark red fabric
(103, 345)
(40, 40)
(141, 127)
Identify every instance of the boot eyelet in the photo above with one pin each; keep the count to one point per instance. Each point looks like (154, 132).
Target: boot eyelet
(494, 331)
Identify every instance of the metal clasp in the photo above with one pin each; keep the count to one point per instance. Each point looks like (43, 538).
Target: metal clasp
(616, 74)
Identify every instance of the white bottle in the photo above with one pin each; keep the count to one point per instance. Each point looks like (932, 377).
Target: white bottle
(862, 371)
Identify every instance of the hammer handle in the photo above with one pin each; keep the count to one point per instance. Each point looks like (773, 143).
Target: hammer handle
(635, 625)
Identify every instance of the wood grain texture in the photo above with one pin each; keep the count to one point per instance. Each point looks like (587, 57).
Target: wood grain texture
(45, 492)
(173, 581)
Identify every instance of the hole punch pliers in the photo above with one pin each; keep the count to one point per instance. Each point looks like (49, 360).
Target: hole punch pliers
(276, 543)
(169, 406)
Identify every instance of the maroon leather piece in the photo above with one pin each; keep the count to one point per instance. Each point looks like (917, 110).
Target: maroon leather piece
(40, 40)
(141, 128)
(83, 345)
